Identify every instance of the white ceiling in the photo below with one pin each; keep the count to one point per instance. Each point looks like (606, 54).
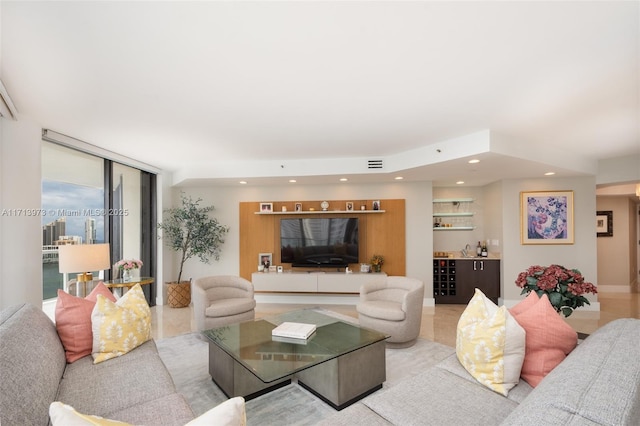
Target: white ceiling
(264, 91)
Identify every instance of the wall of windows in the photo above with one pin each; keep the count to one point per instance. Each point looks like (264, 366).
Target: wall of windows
(90, 200)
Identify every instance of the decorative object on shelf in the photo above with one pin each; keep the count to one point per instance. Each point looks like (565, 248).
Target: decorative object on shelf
(365, 267)
(546, 217)
(189, 230)
(298, 207)
(266, 207)
(604, 223)
(363, 207)
(126, 266)
(265, 260)
(375, 205)
(565, 287)
(284, 208)
(377, 260)
(349, 206)
(324, 205)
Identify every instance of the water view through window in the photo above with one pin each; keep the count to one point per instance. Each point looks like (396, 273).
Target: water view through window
(73, 217)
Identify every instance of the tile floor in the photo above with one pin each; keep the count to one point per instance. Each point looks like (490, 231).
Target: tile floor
(438, 323)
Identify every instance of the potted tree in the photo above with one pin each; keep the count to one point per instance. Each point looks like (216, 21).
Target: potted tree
(190, 231)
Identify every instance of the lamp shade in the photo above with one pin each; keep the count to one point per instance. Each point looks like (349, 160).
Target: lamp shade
(83, 258)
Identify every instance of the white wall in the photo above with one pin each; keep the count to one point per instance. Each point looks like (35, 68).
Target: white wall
(581, 255)
(20, 235)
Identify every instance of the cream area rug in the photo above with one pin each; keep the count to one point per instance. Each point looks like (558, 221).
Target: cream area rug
(187, 358)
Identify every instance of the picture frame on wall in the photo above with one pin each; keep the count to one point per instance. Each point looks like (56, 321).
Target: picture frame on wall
(298, 207)
(349, 206)
(604, 223)
(266, 207)
(546, 217)
(375, 205)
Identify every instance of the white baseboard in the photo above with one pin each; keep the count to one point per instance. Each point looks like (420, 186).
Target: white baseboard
(615, 288)
(510, 303)
(318, 299)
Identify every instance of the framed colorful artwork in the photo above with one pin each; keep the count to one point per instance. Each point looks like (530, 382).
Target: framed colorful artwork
(546, 217)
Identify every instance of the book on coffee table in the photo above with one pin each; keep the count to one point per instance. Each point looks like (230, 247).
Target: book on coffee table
(295, 330)
(292, 340)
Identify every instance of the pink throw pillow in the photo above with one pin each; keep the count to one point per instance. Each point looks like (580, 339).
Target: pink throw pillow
(549, 338)
(73, 321)
(531, 299)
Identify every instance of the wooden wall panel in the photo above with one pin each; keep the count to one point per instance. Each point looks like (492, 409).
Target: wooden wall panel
(380, 233)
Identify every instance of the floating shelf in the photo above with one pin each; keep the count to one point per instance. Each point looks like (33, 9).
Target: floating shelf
(452, 214)
(454, 228)
(324, 212)
(453, 200)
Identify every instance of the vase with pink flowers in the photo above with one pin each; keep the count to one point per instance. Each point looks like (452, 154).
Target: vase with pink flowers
(565, 287)
(127, 266)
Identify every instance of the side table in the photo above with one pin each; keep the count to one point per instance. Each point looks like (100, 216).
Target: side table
(117, 286)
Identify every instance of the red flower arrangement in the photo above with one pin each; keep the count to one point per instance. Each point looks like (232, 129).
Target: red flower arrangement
(565, 287)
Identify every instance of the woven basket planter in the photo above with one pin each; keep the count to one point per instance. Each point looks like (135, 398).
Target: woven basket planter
(179, 294)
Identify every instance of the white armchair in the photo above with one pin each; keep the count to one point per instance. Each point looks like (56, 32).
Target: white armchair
(221, 300)
(394, 308)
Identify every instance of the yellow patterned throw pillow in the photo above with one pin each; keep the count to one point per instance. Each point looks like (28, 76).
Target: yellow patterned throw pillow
(121, 326)
(490, 344)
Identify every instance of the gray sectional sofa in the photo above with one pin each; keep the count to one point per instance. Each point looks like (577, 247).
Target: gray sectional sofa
(597, 384)
(134, 388)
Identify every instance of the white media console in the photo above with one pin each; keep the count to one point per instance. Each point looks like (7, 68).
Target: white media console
(313, 282)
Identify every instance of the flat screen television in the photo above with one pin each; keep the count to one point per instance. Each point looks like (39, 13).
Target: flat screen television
(320, 242)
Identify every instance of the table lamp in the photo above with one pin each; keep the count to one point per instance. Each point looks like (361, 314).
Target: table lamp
(82, 259)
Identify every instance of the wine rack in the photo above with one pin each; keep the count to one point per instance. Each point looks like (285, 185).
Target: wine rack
(444, 280)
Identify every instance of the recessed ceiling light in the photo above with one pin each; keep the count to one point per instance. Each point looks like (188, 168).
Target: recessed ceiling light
(243, 182)
(292, 181)
(343, 179)
(474, 161)
(398, 178)
(460, 182)
(550, 173)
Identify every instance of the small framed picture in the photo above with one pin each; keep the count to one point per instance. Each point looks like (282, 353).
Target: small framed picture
(349, 206)
(298, 207)
(604, 223)
(375, 205)
(272, 268)
(265, 260)
(266, 207)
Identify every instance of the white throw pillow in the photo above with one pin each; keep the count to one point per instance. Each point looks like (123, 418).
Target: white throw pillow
(65, 415)
(229, 413)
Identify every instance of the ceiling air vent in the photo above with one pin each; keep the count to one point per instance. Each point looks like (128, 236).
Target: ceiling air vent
(375, 164)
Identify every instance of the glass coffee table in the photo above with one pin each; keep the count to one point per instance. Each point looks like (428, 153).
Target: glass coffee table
(340, 363)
